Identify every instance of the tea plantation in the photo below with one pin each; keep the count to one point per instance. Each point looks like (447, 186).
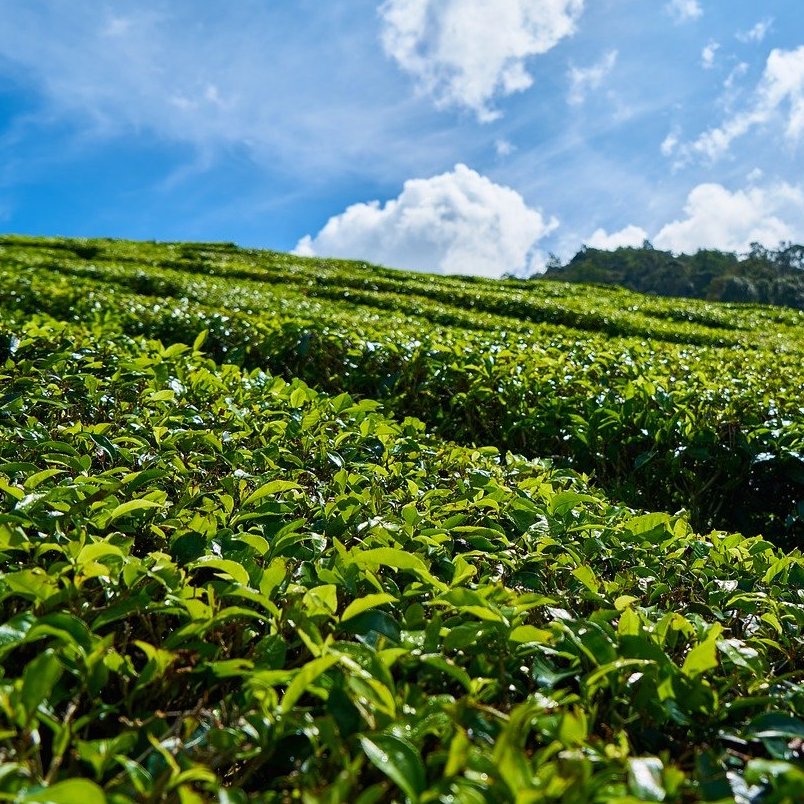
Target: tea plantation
(276, 529)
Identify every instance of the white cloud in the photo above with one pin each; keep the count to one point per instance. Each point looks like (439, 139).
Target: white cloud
(737, 72)
(718, 218)
(504, 147)
(669, 144)
(708, 55)
(240, 79)
(784, 82)
(117, 26)
(456, 223)
(469, 52)
(779, 94)
(757, 33)
(683, 10)
(583, 79)
(633, 236)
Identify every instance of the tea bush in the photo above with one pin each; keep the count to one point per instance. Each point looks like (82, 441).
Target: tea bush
(688, 405)
(218, 584)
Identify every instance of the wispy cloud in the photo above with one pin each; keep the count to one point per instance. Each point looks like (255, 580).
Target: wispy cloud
(504, 147)
(584, 79)
(757, 33)
(669, 144)
(241, 81)
(735, 74)
(778, 95)
(467, 53)
(684, 10)
(708, 54)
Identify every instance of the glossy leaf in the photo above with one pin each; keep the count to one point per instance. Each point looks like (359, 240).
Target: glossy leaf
(398, 760)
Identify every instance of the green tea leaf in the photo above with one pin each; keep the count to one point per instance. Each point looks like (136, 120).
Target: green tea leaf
(200, 340)
(226, 569)
(71, 791)
(645, 778)
(361, 604)
(40, 676)
(399, 761)
(304, 678)
(268, 490)
(587, 577)
(701, 658)
(776, 724)
(131, 507)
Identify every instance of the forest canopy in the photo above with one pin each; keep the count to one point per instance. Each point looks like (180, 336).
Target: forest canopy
(762, 276)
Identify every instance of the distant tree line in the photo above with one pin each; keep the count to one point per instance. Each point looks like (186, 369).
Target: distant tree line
(761, 276)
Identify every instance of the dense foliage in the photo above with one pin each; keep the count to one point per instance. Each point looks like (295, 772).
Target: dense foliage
(216, 584)
(696, 406)
(762, 276)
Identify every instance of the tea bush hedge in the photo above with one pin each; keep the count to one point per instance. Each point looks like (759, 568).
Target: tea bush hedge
(219, 584)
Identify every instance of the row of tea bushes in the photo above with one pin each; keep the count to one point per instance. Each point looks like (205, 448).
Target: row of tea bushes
(217, 585)
(718, 431)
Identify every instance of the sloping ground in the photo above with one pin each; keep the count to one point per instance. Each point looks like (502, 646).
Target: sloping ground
(216, 585)
(669, 405)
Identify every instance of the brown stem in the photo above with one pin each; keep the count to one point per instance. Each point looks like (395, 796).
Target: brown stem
(55, 763)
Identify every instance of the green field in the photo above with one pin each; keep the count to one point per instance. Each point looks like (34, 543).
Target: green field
(286, 529)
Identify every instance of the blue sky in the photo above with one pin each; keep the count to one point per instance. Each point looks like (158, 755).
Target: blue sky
(456, 136)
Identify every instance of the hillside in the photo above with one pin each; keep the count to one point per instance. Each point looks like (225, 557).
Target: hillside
(668, 405)
(762, 276)
(276, 527)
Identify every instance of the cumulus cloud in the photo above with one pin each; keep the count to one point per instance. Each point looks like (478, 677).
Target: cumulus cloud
(632, 236)
(715, 217)
(683, 10)
(718, 218)
(779, 95)
(466, 53)
(456, 223)
(584, 79)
